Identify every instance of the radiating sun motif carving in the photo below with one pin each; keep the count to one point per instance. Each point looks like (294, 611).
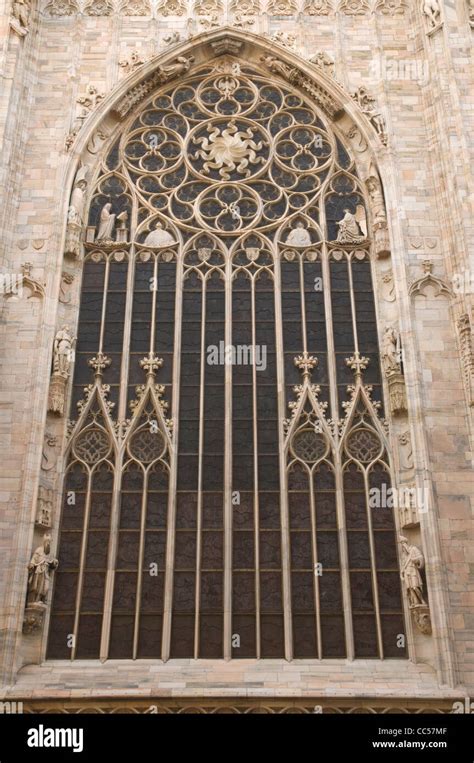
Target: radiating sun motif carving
(228, 150)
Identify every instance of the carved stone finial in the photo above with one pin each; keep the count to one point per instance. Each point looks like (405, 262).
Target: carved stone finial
(306, 363)
(151, 363)
(357, 363)
(99, 363)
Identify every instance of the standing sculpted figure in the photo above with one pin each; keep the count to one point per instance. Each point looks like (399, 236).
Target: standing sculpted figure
(41, 563)
(413, 562)
(62, 351)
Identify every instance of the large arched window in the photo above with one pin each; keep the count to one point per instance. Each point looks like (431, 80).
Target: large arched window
(226, 443)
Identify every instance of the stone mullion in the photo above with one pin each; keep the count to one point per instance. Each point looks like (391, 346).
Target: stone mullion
(228, 476)
(373, 566)
(256, 508)
(82, 562)
(171, 524)
(284, 511)
(202, 379)
(314, 553)
(111, 558)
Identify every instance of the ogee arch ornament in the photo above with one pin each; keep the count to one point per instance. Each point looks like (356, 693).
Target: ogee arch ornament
(219, 206)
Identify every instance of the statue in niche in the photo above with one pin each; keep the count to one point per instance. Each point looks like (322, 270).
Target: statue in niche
(20, 17)
(63, 352)
(349, 227)
(159, 237)
(299, 236)
(390, 351)
(41, 564)
(106, 224)
(376, 196)
(432, 11)
(413, 562)
(76, 205)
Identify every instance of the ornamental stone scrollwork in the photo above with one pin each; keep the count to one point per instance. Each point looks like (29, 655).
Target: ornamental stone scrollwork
(208, 13)
(282, 8)
(63, 355)
(228, 149)
(20, 17)
(391, 361)
(431, 10)
(133, 62)
(367, 104)
(354, 7)
(299, 79)
(172, 7)
(286, 39)
(163, 74)
(75, 214)
(40, 567)
(244, 13)
(135, 8)
(412, 562)
(391, 7)
(379, 215)
(99, 8)
(49, 454)
(463, 325)
(429, 284)
(44, 507)
(317, 8)
(59, 8)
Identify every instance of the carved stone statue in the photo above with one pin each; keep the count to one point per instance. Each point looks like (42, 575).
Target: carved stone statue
(41, 564)
(62, 351)
(376, 197)
(390, 351)
(413, 562)
(62, 359)
(106, 224)
(159, 237)
(277, 67)
(432, 11)
(324, 62)
(299, 236)
(76, 205)
(368, 107)
(180, 66)
(20, 17)
(349, 230)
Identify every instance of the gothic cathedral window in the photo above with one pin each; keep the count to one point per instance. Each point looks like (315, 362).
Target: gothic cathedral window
(227, 391)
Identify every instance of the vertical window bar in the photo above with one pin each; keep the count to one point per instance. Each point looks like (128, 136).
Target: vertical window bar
(82, 561)
(340, 508)
(228, 470)
(284, 513)
(314, 549)
(172, 485)
(202, 379)
(256, 513)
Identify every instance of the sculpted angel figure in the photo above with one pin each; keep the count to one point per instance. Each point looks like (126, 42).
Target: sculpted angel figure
(41, 564)
(349, 231)
(76, 205)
